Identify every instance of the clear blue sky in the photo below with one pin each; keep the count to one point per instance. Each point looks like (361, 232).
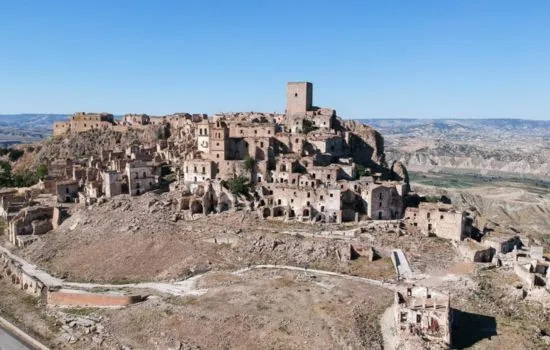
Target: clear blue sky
(367, 59)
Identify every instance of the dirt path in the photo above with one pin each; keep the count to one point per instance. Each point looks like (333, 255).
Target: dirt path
(387, 285)
(387, 328)
(179, 288)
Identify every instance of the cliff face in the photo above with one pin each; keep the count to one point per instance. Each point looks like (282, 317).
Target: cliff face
(373, 149)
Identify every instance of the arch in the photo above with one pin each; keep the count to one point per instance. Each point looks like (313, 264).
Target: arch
(196, 207)
(266, 212)
(305, 212)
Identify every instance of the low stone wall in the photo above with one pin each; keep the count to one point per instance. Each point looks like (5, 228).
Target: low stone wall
(68, 297)
(525, 275)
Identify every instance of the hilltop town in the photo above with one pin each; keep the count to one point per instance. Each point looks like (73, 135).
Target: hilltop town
(223, 220)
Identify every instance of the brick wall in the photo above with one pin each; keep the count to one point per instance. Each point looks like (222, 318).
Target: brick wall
(72, 298)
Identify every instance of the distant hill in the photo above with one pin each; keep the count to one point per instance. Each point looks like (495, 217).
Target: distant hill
(22, 128)
(481, 145)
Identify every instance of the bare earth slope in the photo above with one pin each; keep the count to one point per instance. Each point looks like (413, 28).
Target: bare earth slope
(135, 239)
(300, 312)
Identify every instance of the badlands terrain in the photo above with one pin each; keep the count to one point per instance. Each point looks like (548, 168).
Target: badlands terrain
(483, 146)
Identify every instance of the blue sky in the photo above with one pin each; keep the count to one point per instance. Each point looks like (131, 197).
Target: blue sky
(367, 59)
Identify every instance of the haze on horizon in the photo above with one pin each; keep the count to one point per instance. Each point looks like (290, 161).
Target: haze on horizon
(367, 59)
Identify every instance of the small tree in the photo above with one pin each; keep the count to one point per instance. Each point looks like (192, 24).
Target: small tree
(41, 171)
(15, 154)
(308, 126)
(249, 164)
(238, 185)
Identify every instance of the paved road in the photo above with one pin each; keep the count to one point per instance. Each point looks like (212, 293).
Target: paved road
(8, 342)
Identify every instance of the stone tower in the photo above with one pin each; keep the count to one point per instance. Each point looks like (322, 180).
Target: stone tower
(299, 98)
(219, 137)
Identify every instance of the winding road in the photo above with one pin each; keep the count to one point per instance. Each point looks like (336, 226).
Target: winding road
(9, 342)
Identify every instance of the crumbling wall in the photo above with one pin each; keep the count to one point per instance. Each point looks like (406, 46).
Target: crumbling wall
(524, 273)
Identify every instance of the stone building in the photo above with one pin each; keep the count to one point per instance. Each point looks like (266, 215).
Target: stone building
(198, 170)
(384, 202)
(82, 121)
(423, 313)
(474, 251)
(441, 220)
(31, 222)
(11, 201)
(114, 183)
(140, 178)
(67, 191)
(136, 119)
(501, 242)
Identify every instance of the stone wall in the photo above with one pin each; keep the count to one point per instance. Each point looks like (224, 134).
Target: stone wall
(524, 273)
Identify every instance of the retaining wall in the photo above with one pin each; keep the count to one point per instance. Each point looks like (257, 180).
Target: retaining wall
(67, 297)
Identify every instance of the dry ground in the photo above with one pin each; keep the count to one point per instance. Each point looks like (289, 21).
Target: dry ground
(265, 309)
(127, 240)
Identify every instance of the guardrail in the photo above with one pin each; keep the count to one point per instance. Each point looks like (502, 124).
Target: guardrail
(21, 335)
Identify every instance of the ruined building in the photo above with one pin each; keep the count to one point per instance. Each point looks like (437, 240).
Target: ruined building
(423, 313)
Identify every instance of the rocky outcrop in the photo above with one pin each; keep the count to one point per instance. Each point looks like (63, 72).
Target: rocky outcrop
(366, 145)
(399, 172)
(93, 142)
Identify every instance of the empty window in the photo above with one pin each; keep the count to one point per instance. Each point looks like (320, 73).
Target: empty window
(295, 94)
(441, 217)
(427, 215)
(279, 201)
(331, 195)
(321, 198)
(308, 195)
(262, 144)
(203, 169)
(328, 177)
(217, 156)
(418, 318)
(322, 208)
(307, 203)
(380, 195)
(255, 131)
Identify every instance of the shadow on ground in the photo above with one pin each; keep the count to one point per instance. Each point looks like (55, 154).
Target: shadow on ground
(469, 328)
